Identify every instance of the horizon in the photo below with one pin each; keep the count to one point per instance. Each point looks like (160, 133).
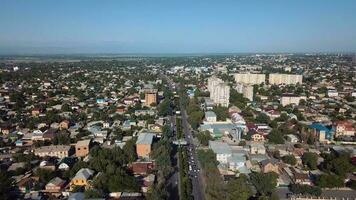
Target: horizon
(177, 27)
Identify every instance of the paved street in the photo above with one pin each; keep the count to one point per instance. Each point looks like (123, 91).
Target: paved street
(195, 171)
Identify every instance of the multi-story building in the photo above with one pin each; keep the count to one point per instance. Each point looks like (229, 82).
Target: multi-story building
(219, 91)
(210, 116)
(59, 151)
(246, 90)
(248, 78)
(150, 97)
(222, 150)
(82, 148)
(143, 145)
(344, 128)
(285, 79)
(287, 99)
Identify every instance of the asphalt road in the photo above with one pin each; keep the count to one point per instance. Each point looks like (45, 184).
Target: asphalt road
(173, 181)
(195, 172)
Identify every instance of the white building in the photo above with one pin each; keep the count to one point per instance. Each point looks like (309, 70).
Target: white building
(286, 79)
(219, 91)
(222, 150)
(332, 93)
(248, 78)
(246, 90)
(210, 116)
(288, 99)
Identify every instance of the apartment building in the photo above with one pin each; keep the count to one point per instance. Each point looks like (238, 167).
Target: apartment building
(144, 144)
(287, 99)
(285, 79)
(219, 91)
(247, 78)
(246, 90)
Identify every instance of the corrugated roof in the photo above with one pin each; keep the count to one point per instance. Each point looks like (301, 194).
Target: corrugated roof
(145, 138)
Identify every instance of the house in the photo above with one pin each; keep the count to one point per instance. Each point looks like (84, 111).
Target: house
(322, 132)
(142, 167)
(257, 137)
(60, 151)
(27, 183)
(82, 178)
(82, 148)
(269, 165)
(344, 128)
(299, 177)
(256, 148)
(222, 150)
(56, 185)
(66, 163)
(292, 138)
(143, 144)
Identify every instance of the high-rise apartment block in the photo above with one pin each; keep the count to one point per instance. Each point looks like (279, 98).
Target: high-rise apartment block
(150, 97)
(219, 91)
(246, 90)
(285, 79)
(252, 79)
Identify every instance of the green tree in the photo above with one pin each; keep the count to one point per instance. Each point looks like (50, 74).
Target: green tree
(204, 137)
(6, 186)
(275, 137)
(310, 159)
(238, 189)
(264, 183)
(289, 159)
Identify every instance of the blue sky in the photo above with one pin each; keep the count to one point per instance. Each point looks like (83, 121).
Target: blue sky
(184, 26)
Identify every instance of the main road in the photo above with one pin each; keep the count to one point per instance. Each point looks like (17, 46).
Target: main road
(195, 169)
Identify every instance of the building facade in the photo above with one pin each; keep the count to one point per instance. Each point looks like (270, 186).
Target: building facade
(150, 97)
(252, 79)
(285, 79)
(246, 90)
(219, 91)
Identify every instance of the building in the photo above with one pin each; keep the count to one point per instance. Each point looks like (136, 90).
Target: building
(256, 148)
(82, 178)
(144, 144)
(82, 148)
(333, 93)
(292, 138)
(257, 137)
(150, 97)
(246, 90)
(287, 99)
(59, 151)
(322, 132)
(247, 78)
(56, 185)
(344, 128)
(269, 165)
(285, 79)
(210, 116)
(222, 150)
(219, 91)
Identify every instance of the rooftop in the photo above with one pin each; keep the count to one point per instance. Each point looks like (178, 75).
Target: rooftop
(145, 138)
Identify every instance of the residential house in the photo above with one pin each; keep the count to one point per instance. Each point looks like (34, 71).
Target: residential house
(344, 128)
(60, 151)
(82, 177)
(144, 144)
(82, 148)
(269, 165)
(222, 150)
(55, 185)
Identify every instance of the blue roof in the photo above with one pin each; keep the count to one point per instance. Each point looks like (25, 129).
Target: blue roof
(319, 127)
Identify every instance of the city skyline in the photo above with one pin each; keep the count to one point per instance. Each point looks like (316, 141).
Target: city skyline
(179, 27)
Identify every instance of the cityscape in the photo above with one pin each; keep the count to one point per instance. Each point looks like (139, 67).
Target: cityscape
(178, 117)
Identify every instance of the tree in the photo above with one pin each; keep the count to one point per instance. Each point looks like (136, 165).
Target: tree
(310, 159)
(238, 189)
(6, 185)
(92, 193)
(305, 189)
(264, 183)
(221, 113)
(329, 181)
(289, 159)
(130, 150)
(262, 118)
(204, 137)
(164, 108)
(275, 137)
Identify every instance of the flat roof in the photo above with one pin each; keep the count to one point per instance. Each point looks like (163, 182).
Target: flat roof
(220, 147)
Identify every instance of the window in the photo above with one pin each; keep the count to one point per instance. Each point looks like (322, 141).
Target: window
(85, 148)
(78, 149)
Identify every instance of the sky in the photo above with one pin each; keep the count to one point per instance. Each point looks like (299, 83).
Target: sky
(176, 26)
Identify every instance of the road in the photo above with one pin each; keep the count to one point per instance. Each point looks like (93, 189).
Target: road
(195, 172)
